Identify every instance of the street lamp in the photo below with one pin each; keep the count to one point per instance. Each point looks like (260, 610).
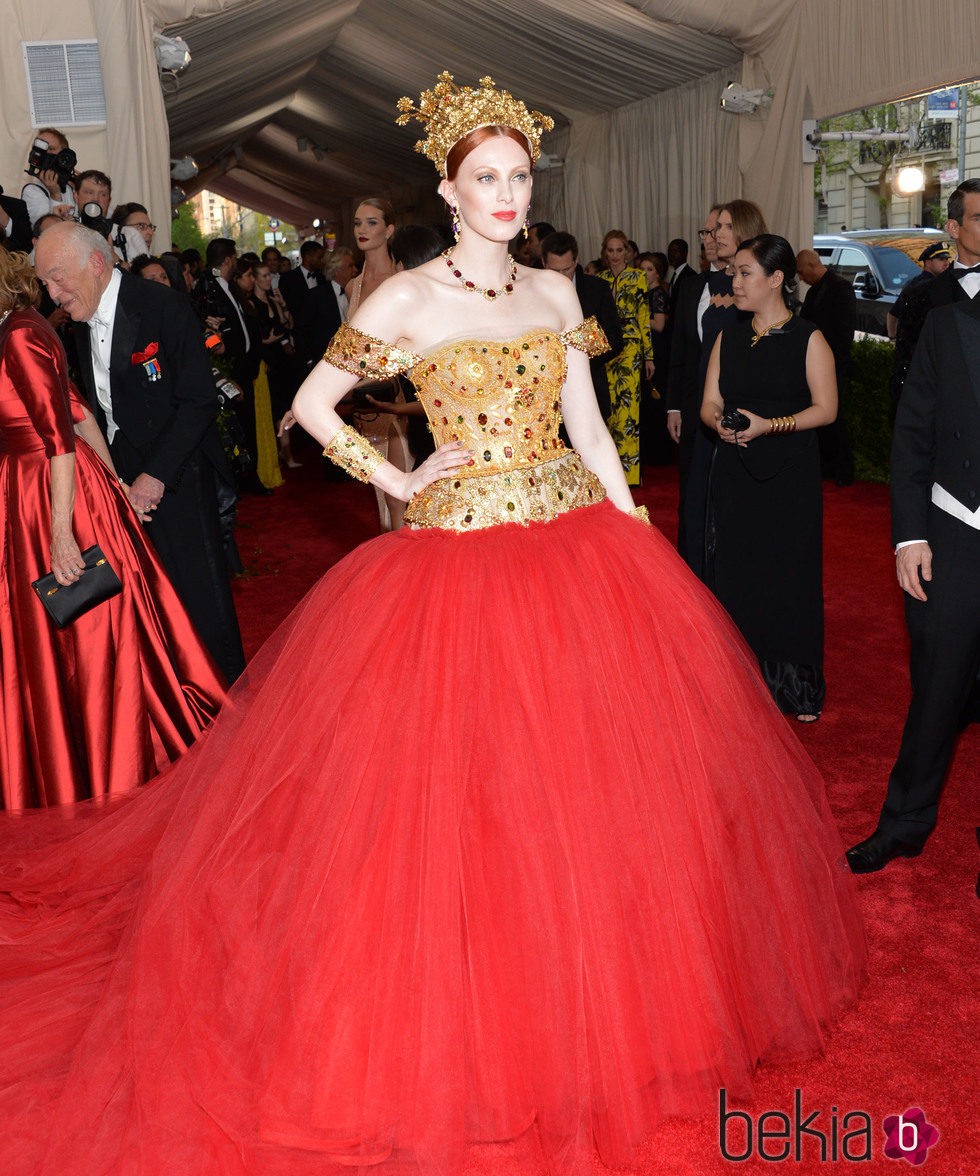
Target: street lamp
(910, 180)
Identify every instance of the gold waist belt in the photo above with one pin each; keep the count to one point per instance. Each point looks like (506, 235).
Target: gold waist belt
(535, 494)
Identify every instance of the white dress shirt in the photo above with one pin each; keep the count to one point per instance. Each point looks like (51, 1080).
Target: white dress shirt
(338, 289)
(100, 337)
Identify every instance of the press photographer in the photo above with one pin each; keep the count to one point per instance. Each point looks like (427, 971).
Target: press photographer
(93, 192)
(51, 166)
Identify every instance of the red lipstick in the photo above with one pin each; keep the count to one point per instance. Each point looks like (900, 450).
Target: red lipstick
(505, 216)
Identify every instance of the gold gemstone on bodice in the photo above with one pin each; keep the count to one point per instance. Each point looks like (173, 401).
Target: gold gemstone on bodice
(502, 400)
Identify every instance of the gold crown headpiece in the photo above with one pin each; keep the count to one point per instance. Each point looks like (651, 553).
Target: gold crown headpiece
(449, 112)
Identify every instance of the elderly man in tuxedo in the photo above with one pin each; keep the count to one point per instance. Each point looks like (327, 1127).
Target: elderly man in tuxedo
(935, 489)
(143, 363)
(559, 251)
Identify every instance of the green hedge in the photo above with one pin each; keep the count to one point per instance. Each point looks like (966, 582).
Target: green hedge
(869, 409)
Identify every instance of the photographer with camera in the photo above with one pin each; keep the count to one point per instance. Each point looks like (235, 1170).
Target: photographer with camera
(93, 193)
(51, 166)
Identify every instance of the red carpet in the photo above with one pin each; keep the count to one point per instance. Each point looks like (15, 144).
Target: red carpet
(912, 1039)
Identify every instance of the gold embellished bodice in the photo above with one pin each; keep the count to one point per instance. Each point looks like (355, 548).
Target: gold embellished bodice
(502, 400)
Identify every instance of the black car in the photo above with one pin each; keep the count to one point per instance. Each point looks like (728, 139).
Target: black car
(876, 266)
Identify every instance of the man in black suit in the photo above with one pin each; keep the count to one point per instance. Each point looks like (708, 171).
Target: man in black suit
(677, 252)
(831, 305)
(685, 385)
(935, 491)
(312, 303)
(559, 251)
(144, 366)
(218, 302)
(15, 224)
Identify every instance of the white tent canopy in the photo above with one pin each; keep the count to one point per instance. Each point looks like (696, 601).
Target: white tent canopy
(633, 86)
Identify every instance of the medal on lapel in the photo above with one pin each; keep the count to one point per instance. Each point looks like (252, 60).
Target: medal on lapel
(151, 365)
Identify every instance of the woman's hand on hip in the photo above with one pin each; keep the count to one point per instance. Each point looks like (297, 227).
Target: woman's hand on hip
(446, 460)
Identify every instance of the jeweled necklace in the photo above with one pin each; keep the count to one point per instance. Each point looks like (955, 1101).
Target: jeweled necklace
(757, 335)
(489, 295)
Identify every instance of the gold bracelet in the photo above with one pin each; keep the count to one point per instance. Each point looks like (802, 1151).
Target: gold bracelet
(641, 513)
(353, 453)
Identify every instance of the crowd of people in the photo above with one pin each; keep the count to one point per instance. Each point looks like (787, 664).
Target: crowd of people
(593, 922)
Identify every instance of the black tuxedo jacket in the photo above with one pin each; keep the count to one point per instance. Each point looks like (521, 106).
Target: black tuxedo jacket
(595, 298)
(316, 313)
(945, 288)
(831, 305)
(684, 383)
(168, 420)
(937, 426)
(244, 358)
(20, 239)
(678, 282)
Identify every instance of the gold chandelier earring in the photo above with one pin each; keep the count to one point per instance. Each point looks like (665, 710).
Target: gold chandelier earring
(455, 221)
(527, 222)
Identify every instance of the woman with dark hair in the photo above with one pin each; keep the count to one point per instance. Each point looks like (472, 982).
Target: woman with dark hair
(97, 708)
(151, 268)
(655, 444)
(521, 911)
(277, 352)
(263, 334)
(765, 547)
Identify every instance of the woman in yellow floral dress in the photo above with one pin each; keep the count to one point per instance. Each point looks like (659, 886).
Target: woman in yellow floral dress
(629, 289)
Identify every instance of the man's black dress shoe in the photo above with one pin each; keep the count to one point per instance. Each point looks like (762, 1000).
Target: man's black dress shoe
(876, 851)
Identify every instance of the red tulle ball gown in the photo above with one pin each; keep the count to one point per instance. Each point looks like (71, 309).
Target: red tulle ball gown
(580, 877)
(103, 705)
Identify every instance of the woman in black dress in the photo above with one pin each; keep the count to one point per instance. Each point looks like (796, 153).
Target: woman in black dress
(764, 544)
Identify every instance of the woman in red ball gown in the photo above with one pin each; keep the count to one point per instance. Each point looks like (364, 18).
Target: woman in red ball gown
(104, 704)
(588, 880)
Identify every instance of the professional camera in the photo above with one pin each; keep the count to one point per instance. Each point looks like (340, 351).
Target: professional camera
(92, 217)
(42, 158)
(735, 420)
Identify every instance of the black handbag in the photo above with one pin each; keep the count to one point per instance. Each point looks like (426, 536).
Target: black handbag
(66, 603)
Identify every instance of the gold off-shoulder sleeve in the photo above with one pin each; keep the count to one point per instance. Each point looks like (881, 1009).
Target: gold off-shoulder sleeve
(363, 355)
(587, 336)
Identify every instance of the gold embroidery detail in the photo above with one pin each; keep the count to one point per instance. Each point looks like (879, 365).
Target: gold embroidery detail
(351, 452)
(588, 336)
(353, 351)
(531, 495)
(502, 400)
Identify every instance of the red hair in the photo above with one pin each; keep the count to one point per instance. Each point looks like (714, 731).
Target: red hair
(470, 142)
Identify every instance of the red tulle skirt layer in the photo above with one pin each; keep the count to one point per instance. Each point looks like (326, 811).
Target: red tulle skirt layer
(500, 838)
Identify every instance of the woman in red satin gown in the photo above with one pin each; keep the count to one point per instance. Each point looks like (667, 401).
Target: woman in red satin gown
(588, 877)
(99, 707)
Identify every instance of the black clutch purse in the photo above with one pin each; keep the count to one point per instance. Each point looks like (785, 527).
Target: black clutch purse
(66, 603)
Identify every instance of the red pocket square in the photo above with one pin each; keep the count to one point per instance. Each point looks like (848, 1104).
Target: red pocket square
(143, 356)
